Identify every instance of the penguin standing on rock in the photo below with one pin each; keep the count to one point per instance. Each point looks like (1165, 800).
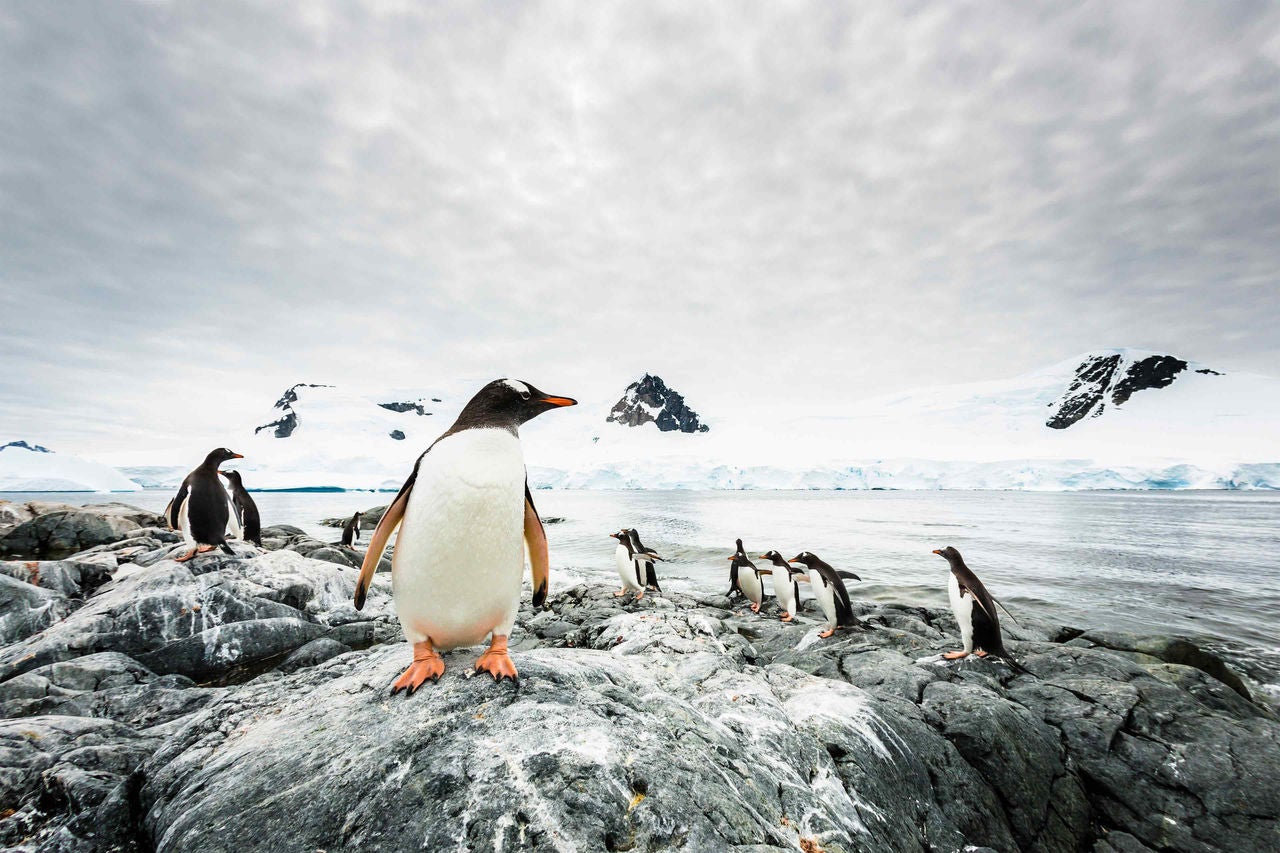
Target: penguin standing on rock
(735, 587)
(628, 571)
(644, 559)
(202, 508)
(462, 513)
(351, 530)
(785, 586)
(749, 578)
(244, 509)
(828, 588)
(979, 626)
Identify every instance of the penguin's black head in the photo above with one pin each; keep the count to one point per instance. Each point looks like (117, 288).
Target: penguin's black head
(951, 555)
(507, 403)
(804, 557)
(775, 558)
(217, 457)
(233, 477)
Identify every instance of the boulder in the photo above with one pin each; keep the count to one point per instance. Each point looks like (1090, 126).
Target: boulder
(57, 534)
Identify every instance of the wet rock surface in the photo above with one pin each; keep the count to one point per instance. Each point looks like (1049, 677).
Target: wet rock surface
(240, 702)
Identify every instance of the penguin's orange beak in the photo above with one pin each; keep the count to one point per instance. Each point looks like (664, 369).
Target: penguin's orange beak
(732, 557)
(937, 551)
(560, 401)
(237, 456)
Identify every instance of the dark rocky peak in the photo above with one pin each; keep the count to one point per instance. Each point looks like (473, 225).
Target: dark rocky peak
(651, 400)
(407, 407)
(288, 422)
(1113, 378)
(34, 448)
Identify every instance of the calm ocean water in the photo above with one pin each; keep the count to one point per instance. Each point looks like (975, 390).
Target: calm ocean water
(1204, 564)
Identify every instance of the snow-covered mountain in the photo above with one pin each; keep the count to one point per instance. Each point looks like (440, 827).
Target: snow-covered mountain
(649, 400)
(1105, 419)
(26, 467)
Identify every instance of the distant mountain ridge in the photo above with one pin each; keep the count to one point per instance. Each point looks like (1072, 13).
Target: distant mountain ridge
(649, 400)
(1115, 378)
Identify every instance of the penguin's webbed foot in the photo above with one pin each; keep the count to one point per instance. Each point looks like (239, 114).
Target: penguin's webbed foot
(497, 662)
(187, 556)
(827, 633)
(755, 608)
(786, 617)
(620, 593)
(955, 655)
(639, 595)
(980, 653)
(427, 665)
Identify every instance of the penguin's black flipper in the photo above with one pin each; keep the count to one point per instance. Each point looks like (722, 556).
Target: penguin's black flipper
(1000, 604)
(733, 579)
(535, 537)
(382, 533)
(175, 505)
(849, 576)
(227, 548)
(652, 580)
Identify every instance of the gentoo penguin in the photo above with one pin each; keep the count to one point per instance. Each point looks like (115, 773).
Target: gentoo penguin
(979, 626)
(785, 586)
(750, 581)
(628, 571)
(351, 530)
(644, 559)
(735, 588)
(462, 513)
(202, 507)
(244, 509)
(828, 588)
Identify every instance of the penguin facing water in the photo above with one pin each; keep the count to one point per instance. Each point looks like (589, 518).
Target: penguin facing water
(748, 577)
(979, 626)
(202, 509)
(628, 570)
(351, 530)
(735, 587)
(828, 588)
(244, 509)
(462, 513)
(644, 559)
(785, 586)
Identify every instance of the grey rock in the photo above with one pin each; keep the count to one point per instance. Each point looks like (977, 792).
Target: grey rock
(57, 534)
(312, 654)
(26, 609)
(73, 578)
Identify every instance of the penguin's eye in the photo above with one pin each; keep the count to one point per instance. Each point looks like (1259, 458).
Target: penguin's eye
(524, 395)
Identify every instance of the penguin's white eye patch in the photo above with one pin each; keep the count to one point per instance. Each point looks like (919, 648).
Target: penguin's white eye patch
(519, 387)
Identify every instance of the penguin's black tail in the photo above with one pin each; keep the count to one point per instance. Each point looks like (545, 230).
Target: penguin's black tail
(1017, 667)
(227, 548)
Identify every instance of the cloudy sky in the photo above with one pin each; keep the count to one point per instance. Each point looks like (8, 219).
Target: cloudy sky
(765, 203)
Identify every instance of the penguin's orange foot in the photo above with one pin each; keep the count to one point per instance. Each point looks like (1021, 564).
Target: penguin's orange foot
(426, 665)
(639, 595)
(620, 593)
(497, 662)
(786, 617)
(955, 655)
(755, 608)
(827, 633)
(980, 653)
(187, 556)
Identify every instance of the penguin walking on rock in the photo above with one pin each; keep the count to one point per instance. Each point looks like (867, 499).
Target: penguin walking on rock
(785, 586)
(644, 559)
(202, 509)
(979, 626)
(628, 569)
(351, 530)
(828, 588)
(244, 509)
(749, 578)
(462, 514)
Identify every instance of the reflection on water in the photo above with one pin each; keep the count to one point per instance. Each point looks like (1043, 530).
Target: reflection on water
(1197, 563)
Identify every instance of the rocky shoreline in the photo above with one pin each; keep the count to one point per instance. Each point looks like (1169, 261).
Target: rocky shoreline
(241, 702)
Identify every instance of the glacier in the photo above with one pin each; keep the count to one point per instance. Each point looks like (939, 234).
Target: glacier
(32, 468)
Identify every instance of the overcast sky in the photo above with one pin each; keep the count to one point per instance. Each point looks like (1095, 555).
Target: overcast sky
(765, 203)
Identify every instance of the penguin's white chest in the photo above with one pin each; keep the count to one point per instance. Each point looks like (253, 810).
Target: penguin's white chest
(751, 586)
(784, 590)
(826, 596)
(962, 609)
(626, 567)
(459, 557)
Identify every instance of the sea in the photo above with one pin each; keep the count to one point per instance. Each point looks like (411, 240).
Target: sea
(1205, 564)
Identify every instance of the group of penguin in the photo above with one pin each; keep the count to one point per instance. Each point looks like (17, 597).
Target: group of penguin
(979, 626)
(466, 517)
(208, 513)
